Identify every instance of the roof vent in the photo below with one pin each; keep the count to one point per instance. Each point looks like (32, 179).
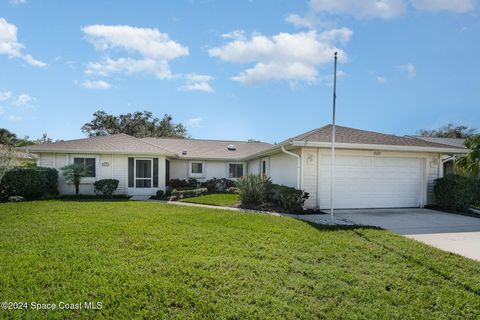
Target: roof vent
(231, 147)
(184, 152)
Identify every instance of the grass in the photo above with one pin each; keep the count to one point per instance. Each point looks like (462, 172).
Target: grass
(215, 199)
(151, 260)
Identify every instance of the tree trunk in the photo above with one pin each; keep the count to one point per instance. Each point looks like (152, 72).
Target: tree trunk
(77, 188)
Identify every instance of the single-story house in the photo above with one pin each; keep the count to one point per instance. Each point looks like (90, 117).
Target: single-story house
(448, 160)
(372, 170)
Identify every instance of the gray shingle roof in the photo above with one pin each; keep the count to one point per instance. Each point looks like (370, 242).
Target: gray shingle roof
(117, 143)
(454, 142)
(357, 136)
(209, 149)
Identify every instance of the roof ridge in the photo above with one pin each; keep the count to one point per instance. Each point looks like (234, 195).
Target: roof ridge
(214, 140)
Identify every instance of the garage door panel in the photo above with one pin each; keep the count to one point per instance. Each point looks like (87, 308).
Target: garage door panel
(371, 182)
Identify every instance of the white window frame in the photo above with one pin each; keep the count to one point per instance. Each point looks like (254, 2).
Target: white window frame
(135, 172)
(243, 169)
(196, 175)
(87, 180)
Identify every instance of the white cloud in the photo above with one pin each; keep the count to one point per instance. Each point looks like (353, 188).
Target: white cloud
(10, 46)
(235, 35)
(197, 82)
(5, 95)
(288, 57)
(328, 79)
(23, 99)
(307, 21)
(365, 9)
(381, 79)
(447, 5)
(17, 2)
(409, 69)
(156, 49)
(99, 84)
(194, 122)
(14, 118)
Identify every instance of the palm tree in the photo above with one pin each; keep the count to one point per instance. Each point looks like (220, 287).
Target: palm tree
(469, 164)
(73, 173)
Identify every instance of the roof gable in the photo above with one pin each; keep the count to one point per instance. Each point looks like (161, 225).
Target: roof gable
(357, 136)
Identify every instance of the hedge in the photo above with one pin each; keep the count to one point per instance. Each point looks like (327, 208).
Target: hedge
(182, 194)
(29, 183)
(106, 187)
(457, 193)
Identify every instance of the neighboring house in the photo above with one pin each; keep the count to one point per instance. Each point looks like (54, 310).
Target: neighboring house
(447, 160)
(23, 158)
(372, 170)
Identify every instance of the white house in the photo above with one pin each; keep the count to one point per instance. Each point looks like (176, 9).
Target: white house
(372, 170)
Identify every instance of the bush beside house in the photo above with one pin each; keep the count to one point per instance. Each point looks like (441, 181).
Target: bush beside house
(29, 183)
(258, 191)
(106, 187)
(458, 193)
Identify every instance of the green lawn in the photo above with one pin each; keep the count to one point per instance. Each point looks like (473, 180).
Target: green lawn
(152, 260)
(215, 199)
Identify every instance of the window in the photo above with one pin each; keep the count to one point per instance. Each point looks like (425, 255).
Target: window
(235, 170)
(196, 169)
(89, 163)
(264, 167)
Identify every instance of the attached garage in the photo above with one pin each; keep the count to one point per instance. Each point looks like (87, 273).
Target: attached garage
(372, 181)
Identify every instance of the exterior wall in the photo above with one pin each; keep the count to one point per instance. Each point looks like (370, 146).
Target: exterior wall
(283, 169)
(311, 168)
(179, 169)
(434, 171)
(253, 166)
(310, 174)
(107, 167)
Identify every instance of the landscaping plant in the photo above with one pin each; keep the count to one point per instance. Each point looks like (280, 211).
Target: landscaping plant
(29, 183)
(458, 193)
(73, 173)
(106, 187)
(254, 189)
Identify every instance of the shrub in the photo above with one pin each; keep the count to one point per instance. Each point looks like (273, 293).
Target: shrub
(15, 199)
(106, 187)
(456, 193)
(179, 183)
(160, 194)
(288, 198)
(232, 190)
(218, 185)
(29, 183)
(254, 189)
(182, 194)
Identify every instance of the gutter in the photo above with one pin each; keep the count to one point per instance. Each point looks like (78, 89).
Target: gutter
(380, 147)
(298, 164)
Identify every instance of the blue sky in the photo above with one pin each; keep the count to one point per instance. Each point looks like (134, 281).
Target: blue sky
(240, 69)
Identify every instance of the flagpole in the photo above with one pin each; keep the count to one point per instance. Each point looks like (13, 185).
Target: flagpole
(332, 186)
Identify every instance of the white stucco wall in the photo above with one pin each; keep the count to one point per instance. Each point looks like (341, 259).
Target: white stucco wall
(283, 169)
(179, 169)
(114, 167)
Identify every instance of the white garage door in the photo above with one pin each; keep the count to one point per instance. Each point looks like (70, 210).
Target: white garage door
(371, 182)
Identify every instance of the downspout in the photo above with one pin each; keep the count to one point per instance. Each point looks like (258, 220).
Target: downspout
(298, 164)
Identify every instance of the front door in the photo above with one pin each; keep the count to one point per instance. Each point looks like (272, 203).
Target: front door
(141, 170)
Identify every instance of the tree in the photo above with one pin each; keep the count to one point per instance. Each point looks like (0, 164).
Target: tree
(7, 159)
(469, 164)
(137, 124)
(73, 173)
(449, 131)
(7, 138)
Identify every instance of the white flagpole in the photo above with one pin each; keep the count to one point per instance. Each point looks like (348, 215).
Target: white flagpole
(332, 186)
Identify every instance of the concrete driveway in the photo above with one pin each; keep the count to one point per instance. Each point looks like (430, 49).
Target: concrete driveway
(446, 231)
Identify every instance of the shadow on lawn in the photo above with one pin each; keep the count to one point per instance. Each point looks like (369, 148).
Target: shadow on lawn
(399, 252)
